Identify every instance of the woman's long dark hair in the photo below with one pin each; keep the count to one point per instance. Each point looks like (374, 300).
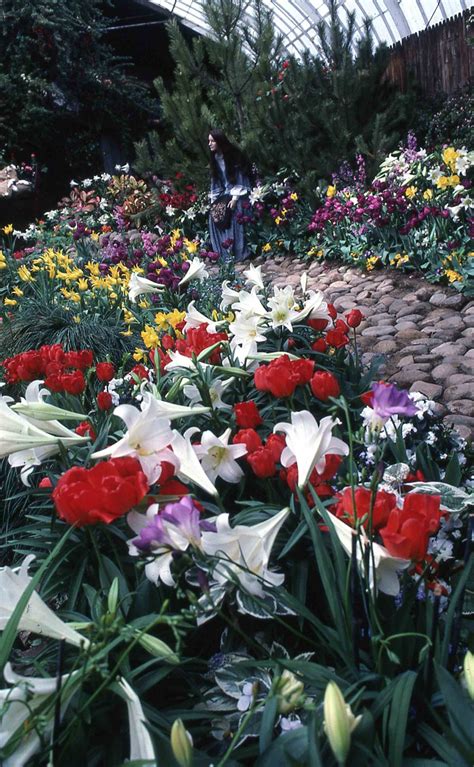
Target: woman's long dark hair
(234, 158)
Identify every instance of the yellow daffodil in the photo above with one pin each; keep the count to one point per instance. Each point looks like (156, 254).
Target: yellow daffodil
(8, 229)
(191, 245)
(331, 191)
(128, 332)
(428, 194)
(10, 302)
(93, 268)
(410, 192)
(143, 304)
(128, 317)
(17, 291)
(139, 355)
(150, 337)
(450, 156)
(82, 284)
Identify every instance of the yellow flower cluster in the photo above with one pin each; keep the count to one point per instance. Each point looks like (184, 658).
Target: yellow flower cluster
(450, 155)
(315, 252)
(372, 262)
(399, 259)
(3, 260)
(444, 182)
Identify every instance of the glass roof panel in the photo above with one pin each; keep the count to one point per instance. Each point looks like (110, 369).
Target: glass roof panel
(296, 19)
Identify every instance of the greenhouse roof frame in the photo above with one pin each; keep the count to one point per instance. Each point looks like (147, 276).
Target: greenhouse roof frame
(296, 20)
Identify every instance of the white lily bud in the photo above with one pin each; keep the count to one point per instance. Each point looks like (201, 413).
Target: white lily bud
(290, 692)
(339, 722)
(469, 673)
(41, 411)
(158, 648)
(181, 744)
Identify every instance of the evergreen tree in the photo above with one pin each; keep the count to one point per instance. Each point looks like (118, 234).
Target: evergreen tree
(61, 85)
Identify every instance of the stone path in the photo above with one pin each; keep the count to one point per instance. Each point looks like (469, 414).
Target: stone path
(424, 331)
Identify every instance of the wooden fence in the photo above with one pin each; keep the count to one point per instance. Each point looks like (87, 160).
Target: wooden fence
(439, 59)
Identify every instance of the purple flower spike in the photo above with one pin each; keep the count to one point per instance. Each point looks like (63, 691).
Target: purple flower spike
(388, 401)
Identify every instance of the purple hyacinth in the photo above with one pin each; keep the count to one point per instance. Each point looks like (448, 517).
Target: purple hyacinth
(388, 401)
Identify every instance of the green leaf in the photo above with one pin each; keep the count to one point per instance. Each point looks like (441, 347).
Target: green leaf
(458, 705)
(442, 747)
(270, 712)
(398, 718)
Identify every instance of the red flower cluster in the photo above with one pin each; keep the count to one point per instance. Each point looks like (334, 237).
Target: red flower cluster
(282, 375)
(405, 532)
(408, 530)
(318, 480)
(247, 415)
(47, 360)
(355, 507)
(262, 458)
(101, 494)
(198, 339)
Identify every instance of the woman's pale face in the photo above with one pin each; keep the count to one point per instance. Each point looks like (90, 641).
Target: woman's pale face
(212, 143)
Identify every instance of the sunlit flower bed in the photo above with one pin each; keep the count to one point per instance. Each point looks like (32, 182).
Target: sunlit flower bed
(243, 548)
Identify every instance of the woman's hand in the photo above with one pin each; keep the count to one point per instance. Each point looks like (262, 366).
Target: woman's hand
(232, 203)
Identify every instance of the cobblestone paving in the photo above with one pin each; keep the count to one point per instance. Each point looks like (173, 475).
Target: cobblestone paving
(424, 331)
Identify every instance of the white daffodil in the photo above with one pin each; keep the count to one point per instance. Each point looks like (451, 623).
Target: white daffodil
(216, 390)
(245, 551)
(254, 276)
(197, 271)
(308, 442)
(148, 436)
(19, 703)
(139, 285)
(386, 566)
(189, 468)
(141, 744)
(194, 319)
(37, 616)
(218, 457)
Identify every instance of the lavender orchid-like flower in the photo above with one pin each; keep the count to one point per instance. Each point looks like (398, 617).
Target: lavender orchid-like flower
(162, 533)
(387, 401)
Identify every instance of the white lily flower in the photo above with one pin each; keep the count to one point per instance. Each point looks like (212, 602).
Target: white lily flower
(37, 616)
(249, 304)
(254, 276)
(245, 551)
(197, 271)
(20, 703)
(194, 319)
(148, 436)
(229, 295)
(246, 332)
(386, 566)
(308, 443)
(189, 467)
(141, 744)
(216, 390)
(283, 307)
(178, 360)
(139, 285)
(218, 457)
(315, 307)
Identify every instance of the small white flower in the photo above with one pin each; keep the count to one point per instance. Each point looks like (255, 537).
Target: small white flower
(170, 210)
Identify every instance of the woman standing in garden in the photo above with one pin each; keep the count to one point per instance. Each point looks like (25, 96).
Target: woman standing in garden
(230, 184)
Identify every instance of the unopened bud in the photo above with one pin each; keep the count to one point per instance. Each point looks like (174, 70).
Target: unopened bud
(339, 722)
(290, 692)
(157, 648)
(112, 598)
(469, 673)
(181, 744)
